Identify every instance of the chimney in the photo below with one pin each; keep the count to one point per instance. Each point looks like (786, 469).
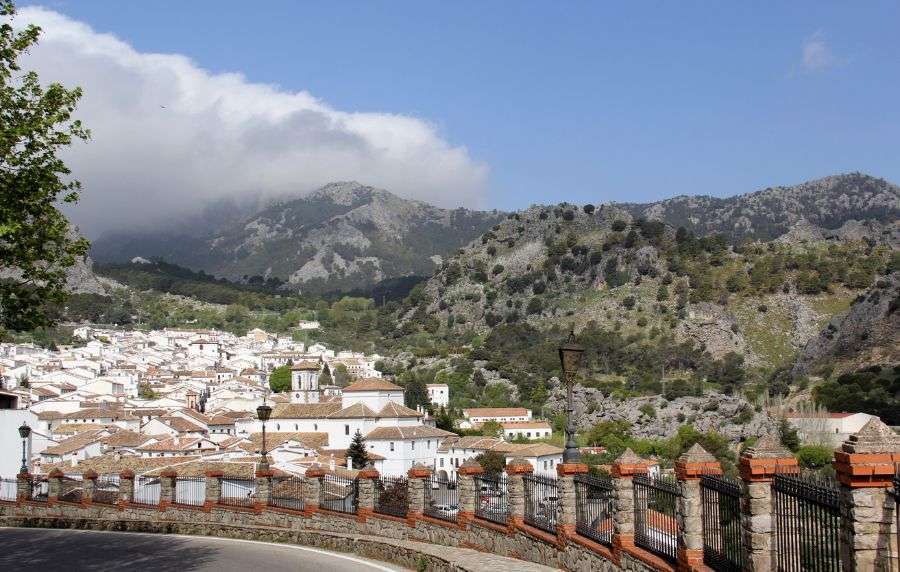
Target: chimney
(331, 462)
(349, 462)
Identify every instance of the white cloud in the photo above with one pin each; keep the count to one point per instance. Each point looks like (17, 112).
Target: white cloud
(816, 54)
(220, 135)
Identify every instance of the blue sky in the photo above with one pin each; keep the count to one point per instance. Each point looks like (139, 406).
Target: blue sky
(578, 101)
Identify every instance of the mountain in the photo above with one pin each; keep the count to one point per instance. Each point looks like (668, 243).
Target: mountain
(638, 275)
(343, 237)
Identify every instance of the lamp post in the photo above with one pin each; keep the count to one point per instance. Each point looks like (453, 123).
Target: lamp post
(24, 432)
(570, 358)
(264, 412)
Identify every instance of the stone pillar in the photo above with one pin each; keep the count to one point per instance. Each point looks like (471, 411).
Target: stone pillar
(468, 495)
(213, 488)
(624, 468)
(23, 487)
(126, 487)
(693, 463)
(865, 465)
(758, 466)
(366, 500)
(417, 475)
(263, 489)
(89, 485)
(515, 469)
(54, 485)
(568, 513)
(312, 484)
(167, 488)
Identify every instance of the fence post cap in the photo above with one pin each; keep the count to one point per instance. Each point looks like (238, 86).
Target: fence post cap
(767, 447)
(519, 466)
(26, 476)
(126, 474)
(55, 474)
(763, 460)
(873, 437)
(869, 457)
(90, 474)
(629, 464)
(214, 473)
(315, 472)
(261, 474)
(470, 467)
(419, 471)
(368, 472)
(571, 469)
(695, 462)
(169, 473)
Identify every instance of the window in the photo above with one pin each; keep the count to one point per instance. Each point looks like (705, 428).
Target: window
(296, 427)
(346, 429)
(428, 443)
(442, 462)
(315, 426)
(392, 445)
(278, 426)
(413, 445)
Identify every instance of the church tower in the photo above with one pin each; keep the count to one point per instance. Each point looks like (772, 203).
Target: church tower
(305, 382)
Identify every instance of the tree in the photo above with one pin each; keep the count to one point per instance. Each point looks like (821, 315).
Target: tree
(588, 208)
(492, 462)
(36, 240)
(357, 451)
(788, 435)
(280, 379)
(492, 429)
(815, 456)
(325, 377)
(341, 376)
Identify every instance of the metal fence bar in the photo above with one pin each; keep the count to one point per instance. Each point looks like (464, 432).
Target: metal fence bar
(541, 502)
(71, 488)
(441, 498)
(237, 492)
(807, 513)
(106, 489)
(190, 491)
(721, 499)
(655, 525)
(392, 496)
(40, 489)
(594, 508)
(287, 492)
(339, 494)
(492, 498)
(8, 489)
(146, 490)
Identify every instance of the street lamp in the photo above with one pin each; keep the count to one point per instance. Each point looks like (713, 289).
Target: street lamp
(264, 412)
(570, 358)
(24, 432)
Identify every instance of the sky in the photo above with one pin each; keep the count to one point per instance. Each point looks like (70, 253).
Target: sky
(482, 104)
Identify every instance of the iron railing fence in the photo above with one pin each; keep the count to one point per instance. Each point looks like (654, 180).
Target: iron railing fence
(190, 491)
(71, 488)
(40, 489)
(237, 492)
(146, 490)
(896, 493)
(441, 498)
(339, 494)
(287, 492)
(655, 525)
(721, 499)
(492, 498)
(106, 489)
(392, 496)
(807, 523)
(541, 502)
(594, 508)
(8, 489)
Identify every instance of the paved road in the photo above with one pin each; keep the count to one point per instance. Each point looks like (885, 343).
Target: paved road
(49, 550)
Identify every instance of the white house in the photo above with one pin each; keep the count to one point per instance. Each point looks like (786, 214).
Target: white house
(455, 451)
(827, 428)
(478, 415)
(438, 394)
(527, 429)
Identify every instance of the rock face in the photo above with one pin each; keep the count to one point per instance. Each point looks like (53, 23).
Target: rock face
(729, 415)
(344, 236)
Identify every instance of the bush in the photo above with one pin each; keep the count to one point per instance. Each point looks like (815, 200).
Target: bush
(648, 410)
(497, 269)
(628, 302)
(815, 456)
(619, 225)
(535, 306)
(589, 208)
(568, 215)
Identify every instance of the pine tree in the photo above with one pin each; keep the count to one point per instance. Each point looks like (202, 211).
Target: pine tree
(357, 451)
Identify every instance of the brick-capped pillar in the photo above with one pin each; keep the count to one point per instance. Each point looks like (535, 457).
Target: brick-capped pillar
(417, 475)
(693, 463)
(624, 468)
(465, 488)
(89, 485)
(366, 499)
(312, 485)
(758, 466)
(167, 488)
(566, 519)
(54, 485)
(515, 470)
(865, 465)
(263, 488)
(126, 487)
(23, 487)
(213, 488)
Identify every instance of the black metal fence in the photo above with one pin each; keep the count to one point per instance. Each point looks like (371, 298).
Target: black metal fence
(594, 508)
(655, 525)
(339, 494)
(40, 489)
(287, 492)
(807, 523)
(441, 498)
(8, 489)
(492, 498)
(721, 497)
(896, 493)
(237, 492)
(146, 490)
(190, 491)
(106, 489)
(71, 488)
(392, 496)
(541, 502)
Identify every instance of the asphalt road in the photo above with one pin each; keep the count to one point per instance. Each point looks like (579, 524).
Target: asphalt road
(49, 550)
